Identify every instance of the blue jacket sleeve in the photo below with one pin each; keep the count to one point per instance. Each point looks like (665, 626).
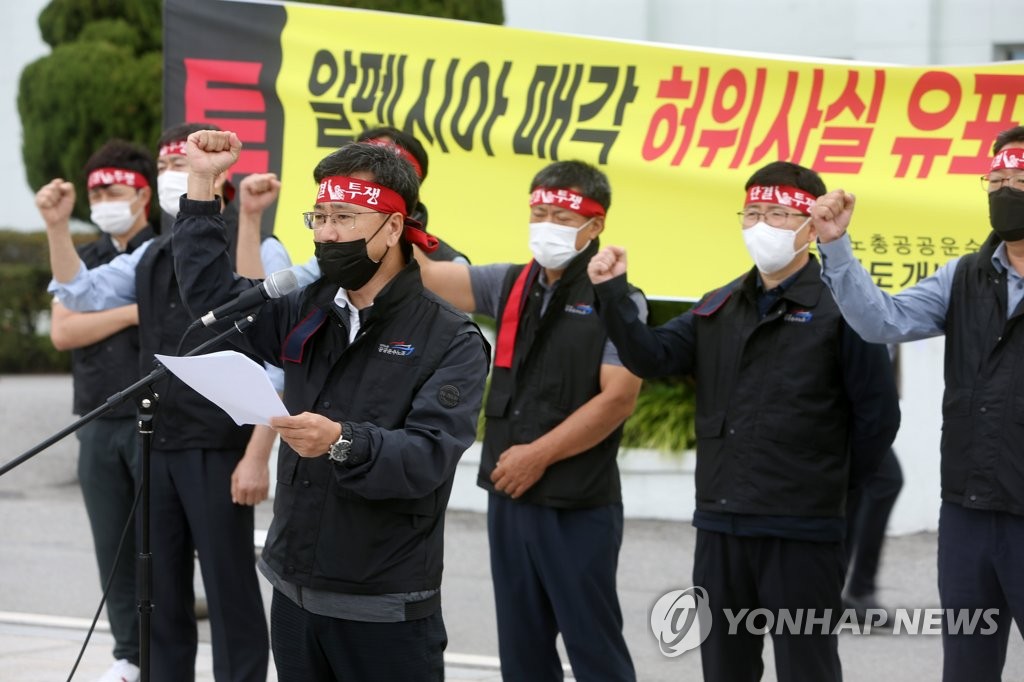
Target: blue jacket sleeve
(668, 350)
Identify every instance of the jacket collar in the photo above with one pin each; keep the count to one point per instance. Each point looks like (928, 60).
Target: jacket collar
(805, 289)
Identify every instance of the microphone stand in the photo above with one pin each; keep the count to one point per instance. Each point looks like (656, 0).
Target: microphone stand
(147, 401)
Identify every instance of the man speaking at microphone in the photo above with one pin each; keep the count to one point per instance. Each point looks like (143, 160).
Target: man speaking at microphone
(384, 381)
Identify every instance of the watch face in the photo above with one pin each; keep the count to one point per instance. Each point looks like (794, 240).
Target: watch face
(339, 451)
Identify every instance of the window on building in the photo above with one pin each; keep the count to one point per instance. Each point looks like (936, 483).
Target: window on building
(1009, 53)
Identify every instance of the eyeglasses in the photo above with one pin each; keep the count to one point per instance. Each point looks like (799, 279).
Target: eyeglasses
(776, 217)
(991, 184)
(339, 221)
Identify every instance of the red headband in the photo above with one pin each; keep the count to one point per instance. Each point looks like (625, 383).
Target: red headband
(399, 151)
(340, 188)
(176, 148)
(101, 177)
(1008, 159)
(567, 199)
(783, 195)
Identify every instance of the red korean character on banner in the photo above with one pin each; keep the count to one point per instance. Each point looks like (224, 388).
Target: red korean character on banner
(733, 99)
(778, 137)
(843, 147)
(663, 129)
(928, 148)
(205, 93)
(989, 120)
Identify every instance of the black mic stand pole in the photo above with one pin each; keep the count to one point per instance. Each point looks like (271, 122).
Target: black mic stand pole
(148, 400)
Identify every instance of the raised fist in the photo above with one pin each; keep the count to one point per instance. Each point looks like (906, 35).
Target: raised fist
(608, 263)
(55, 201)
(211, 152)
(258, 191)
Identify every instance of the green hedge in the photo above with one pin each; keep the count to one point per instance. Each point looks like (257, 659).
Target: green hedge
(25, 346)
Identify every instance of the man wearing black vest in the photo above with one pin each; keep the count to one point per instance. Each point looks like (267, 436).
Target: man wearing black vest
(204, 477)
(104, 349)
(793, 409)
(384, 380)
(554, 415)
(975, 300)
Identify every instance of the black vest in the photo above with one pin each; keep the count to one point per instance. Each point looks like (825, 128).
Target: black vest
(983, 404)
(324, 536)
(772, 417)
(556, 368)
(102, 369)
(184, 419)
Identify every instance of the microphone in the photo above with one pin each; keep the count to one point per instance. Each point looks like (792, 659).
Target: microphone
(276, 285)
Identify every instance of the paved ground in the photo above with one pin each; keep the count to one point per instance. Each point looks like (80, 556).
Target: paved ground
(49, 585)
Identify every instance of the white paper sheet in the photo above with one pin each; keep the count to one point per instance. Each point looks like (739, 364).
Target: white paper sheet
(232, 381)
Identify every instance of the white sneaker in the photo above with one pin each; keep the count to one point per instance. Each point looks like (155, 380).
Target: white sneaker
(122, 671)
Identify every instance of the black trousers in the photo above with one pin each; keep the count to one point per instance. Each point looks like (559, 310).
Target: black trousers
(981, 566)
(867, 515)
(769, 573)
(554, 571)
(312, 648)
(108, 472)
(192, 511)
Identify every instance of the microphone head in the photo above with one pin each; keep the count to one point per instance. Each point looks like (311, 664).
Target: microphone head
(280, 283)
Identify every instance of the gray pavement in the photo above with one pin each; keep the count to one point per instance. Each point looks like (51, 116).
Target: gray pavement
(49, 583)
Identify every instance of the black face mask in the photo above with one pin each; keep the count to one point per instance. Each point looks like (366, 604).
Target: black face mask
(347, 264)
(1006, 213)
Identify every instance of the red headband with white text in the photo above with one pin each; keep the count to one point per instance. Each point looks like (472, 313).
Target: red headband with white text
(783, 195)
(1008, 159)
(175, 148)
(101, 177)
(567, 199)
(343, 189)
(400, 151)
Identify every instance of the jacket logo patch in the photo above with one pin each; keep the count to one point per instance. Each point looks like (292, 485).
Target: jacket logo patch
(798, 315)
(579, 308)
(400, 348)
(448, 396)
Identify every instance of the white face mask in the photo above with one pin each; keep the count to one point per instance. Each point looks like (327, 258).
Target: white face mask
(554, 245)
(114, 217)
(772, 247)
(170, 185)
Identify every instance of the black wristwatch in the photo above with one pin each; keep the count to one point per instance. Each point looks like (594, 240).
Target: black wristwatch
(341, 448)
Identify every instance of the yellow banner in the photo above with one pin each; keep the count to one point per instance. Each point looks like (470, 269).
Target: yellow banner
(677, 131)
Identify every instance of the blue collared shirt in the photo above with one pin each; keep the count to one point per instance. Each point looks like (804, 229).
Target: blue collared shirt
(918, 312)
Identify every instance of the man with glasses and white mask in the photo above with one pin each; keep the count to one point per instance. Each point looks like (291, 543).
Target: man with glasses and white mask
(793, 410)
(554, 415)
(383, 381)
(975, 300)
